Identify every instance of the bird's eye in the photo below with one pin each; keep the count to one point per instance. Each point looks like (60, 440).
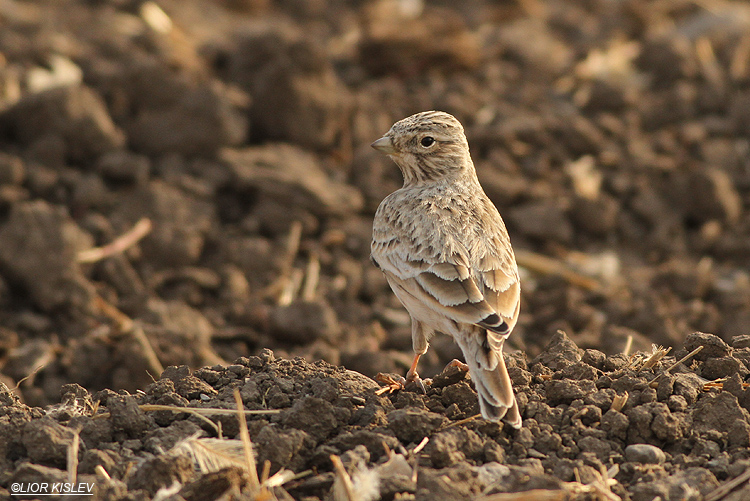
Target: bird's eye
(427, 141)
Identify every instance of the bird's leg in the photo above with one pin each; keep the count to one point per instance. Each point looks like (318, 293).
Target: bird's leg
(457, 363)
(412, 376)
(400, 383)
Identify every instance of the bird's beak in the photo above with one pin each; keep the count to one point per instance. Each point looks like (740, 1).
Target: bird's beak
(385, 145)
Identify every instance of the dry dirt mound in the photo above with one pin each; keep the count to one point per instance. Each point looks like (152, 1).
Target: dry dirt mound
(186, 182)
(595, 427)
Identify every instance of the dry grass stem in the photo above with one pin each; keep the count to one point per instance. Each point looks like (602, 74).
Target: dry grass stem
(724, 489)
(461, 421)
(266, 471)
(343, 476)
(740, 58)
(549, 266)
(717, 383)
(421, 446)
(247, 445)
(124, 322)
(148, 351)
(599, 489)
(655, 357)
(283, 287)
(707, 57)
(156, 18)
(207, 411)
(532, 495)
(99, 470)
(619, 401)
(212, 454)
(200, 413)
(118, 245)
(684, 359)
(30, 377)
(312, 278)
(283, 476)
(290, 287)
(654, 384)
(72, 465)
(126, 325)
(628, 345)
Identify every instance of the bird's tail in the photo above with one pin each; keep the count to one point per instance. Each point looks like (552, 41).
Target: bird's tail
(496, 398)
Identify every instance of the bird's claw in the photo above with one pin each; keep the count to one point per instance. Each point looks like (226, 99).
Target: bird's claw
(400, 383)
(418, 382)
(457, 363)
(390, 383)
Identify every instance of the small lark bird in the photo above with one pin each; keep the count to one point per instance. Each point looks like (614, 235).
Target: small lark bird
(446, 254)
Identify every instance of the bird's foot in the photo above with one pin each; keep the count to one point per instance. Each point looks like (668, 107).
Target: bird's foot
(391, 384)
(401, 383)
(413, 378)
(457, 363)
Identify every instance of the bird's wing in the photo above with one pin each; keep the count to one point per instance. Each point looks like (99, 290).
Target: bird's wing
(498, 275)
(485, 293)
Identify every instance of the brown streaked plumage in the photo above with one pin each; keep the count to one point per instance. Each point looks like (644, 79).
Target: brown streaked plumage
(446, 254)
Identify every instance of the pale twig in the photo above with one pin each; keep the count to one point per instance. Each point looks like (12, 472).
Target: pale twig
(207, 411)
(292, 248)
(532, 495)
(716, 383)
(266, 471)
(73, 448)
(600, 487)
(341, 473)
(153, 407)
(118, 245)
(99, 470)
(211, 454)
(655, 357)
(724, 489)
(200, 413)
(684, 359)
(740, 58)
(654, 384)
(156, 18)
(124, 322)
(127, 326)
(290, 287)
(283, 476)
(312, 277)
(619, 401)
(31, 375)
(247, 445)
(461, 421)
(280, 287)
(707, 59)
(421, 446)
(628, 345)
(549, 266)
(148, 350)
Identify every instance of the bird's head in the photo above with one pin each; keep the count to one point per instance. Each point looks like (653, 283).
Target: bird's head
(427, 147)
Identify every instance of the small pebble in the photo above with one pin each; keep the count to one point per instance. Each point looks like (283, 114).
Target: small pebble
(644, 453)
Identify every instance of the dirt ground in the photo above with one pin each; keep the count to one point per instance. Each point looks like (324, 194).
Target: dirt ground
(186, 185)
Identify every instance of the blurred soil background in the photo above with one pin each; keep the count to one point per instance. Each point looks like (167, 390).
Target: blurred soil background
(187, 182)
